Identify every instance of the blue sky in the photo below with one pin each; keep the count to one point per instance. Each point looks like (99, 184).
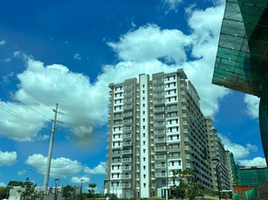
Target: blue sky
(68, 52)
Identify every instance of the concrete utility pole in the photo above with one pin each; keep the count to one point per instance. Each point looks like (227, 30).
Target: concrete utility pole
(50, 150)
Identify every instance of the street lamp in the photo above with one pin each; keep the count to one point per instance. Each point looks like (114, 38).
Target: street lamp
(218, 175)
(55, 194)
(82, 188)
(42, 174)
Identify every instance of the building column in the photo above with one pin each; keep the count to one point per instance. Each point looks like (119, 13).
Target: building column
(263, 120)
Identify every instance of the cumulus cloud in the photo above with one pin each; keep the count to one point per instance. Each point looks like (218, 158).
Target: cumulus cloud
(258, 161)
(148, 49)
(22, 172)
(150, 42)
(2, 184)
(238, 150)
(2, 42)
(83, 179)
(77, 56)
(60, 167)
(8, 158)
(172, 5)
(252, 105)
(100, 169)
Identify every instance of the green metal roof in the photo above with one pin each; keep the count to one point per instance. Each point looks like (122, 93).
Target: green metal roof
(242, 57)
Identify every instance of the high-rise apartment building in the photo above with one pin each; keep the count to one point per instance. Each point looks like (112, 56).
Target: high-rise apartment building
(221, 157)
(155, 127)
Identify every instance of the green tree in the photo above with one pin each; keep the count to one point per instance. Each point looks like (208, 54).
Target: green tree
(14, 183)
(91, 191)
(187, 186)
(28, 192)
(3, 192)
(67, 192)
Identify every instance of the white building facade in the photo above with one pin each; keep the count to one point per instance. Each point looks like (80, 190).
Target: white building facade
(155, 127)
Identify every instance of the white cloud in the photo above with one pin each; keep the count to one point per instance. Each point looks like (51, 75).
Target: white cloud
(172, 4)
(60, 167)
(150, 42)
(100, 169)
(22, 172)
(2, 184)
(252, 105)
(77, 56)
(2, 42)
(238, 150)
(258, 161)
(76, 179)
(148, 49)
(8, 158)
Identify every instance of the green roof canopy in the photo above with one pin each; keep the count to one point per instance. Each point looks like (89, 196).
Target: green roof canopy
(242, 58)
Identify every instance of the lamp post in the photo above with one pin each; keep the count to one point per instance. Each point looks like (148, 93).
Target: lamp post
(81, 188)
(55, 194)
(218, 175)
(42, 174)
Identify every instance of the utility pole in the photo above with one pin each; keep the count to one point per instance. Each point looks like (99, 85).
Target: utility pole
(50, 150)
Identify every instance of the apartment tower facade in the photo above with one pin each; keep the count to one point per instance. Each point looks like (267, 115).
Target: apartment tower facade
(155, 127)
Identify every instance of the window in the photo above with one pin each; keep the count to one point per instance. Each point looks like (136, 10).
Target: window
(144, 158)
(172, 163)
(143, 134)
(143, 112)
(143, 150)
(112, 167)
(144, 175)
(143, 119)
(143, 142)
(143, 85)
(144, 184)
(143, 98)
(144, 167)
(163, 182)
(143, 91)
(143, 127)
(143, 105)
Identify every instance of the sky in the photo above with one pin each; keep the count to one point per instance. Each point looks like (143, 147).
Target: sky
(67, 52)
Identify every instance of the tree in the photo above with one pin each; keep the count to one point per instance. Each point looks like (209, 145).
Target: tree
(187, 186)
(28, 192)
(14, 183)
(67, 192)
(3, 192)
(91, 190)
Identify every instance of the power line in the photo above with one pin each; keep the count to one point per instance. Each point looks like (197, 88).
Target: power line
(21, 117)
(20, 86)
(12, 96)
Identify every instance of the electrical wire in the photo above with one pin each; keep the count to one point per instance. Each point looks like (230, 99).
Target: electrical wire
(13, 97)
(21, 117)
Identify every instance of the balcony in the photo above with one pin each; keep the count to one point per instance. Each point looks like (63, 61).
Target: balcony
(159, 109)
(162, 123)
(127, 136)
(160, 132)
(160, 148)
(129, 93)
(124, 176)
(159, 116)
(128, 107)
(161, 175)
(126, 167)
(160, 140)
(127, 152)
(159, 101)
(127, 143)
(160, 166)
(126, 159)
(160, 157)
